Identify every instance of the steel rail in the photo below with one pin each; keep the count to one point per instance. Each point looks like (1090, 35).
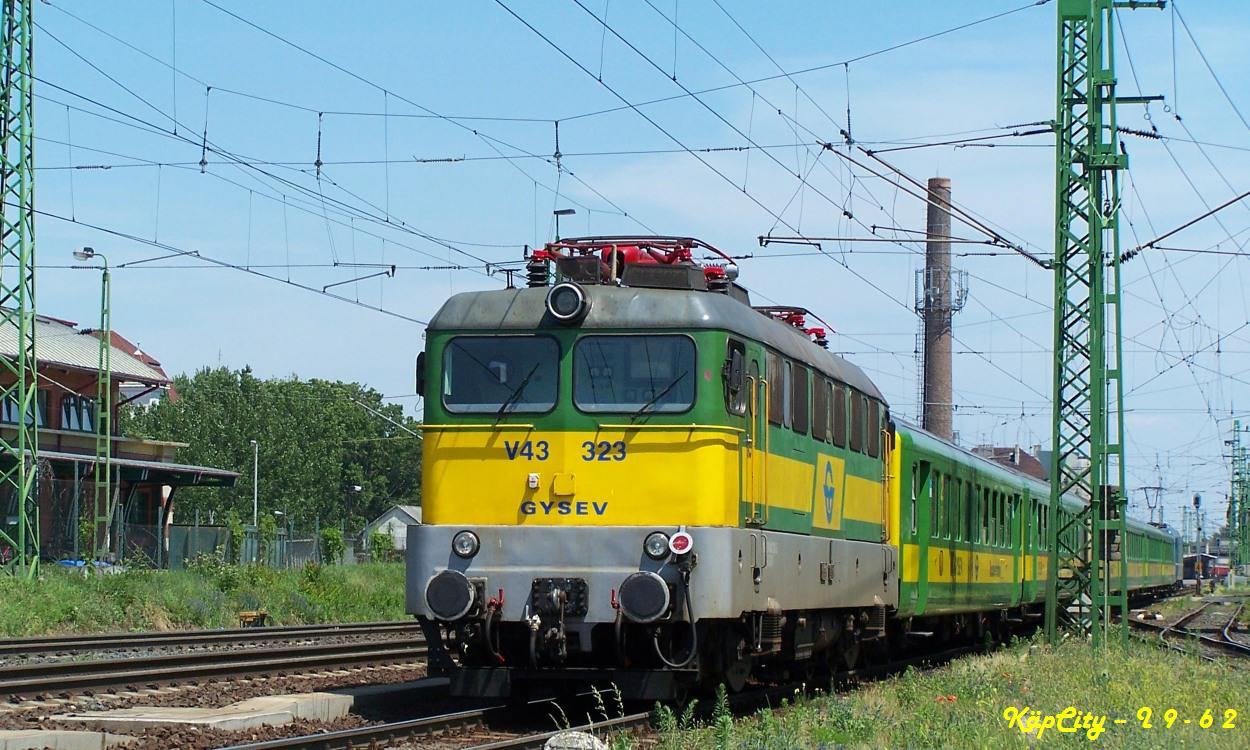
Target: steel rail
(375, 735)
(55, 677)
(629, 721)
(1229, 641)
(147, 639)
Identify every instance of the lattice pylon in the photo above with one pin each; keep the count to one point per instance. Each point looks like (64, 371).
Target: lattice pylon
(19, 535)
(1086, 578)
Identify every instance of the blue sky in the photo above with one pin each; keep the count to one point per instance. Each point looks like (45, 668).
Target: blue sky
(391, 181)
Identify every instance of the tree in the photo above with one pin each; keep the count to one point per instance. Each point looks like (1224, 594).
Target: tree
(322, 454)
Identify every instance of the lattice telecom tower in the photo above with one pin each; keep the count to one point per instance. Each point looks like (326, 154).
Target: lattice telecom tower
(1085, 576)
(18, 393)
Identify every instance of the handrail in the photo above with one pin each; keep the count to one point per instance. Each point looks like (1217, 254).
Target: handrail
(767, 387)
(650, 426)
(492, 428)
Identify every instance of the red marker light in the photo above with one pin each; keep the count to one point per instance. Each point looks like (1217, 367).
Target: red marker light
(680, 543)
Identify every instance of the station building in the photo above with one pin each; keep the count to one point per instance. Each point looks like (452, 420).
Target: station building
(146, 473)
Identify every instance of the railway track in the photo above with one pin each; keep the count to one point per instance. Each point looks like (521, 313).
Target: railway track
(497, 720)
(26, 680)
(233, 636)
(1223, 642)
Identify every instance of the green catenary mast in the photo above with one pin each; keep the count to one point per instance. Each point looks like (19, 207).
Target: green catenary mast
(1238, 531)
(1087, 459)
(18, 391)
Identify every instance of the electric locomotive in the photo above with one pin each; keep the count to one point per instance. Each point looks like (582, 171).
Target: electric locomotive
(633, 476)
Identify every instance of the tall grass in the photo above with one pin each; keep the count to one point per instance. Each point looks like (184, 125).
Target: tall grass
(209, 595)
(962, 705)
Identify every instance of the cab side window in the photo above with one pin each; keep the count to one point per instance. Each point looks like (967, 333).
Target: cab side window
(787, 391)
(799, 415)
(734, 376)
(776, 389)
(820, 410)
(857, 422)
(873, 437)
(839, 416)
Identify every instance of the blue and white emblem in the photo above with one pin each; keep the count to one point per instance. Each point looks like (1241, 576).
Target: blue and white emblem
(830, 491)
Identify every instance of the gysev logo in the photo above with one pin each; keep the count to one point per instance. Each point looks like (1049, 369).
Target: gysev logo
(830, 491)
(563, 508)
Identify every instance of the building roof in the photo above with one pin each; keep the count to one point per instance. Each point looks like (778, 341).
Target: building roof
(1014, 457)
(409, 514)
(121, 342)
(162, 472)
(60, 343)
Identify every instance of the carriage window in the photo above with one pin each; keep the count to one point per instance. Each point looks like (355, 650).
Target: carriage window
(839, 416)
(967, 512)
(957, 522)
(935, 506)
(799, 415)
(500, 374)
(1002, 520)
(776, 389)
(952, 506)
(914, 479)
(857, 422)
(634, 374)
(874, 428)
(735, 381)
(820, 410)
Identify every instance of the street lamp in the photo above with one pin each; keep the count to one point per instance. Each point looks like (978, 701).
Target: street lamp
(562, 212)
(104, 408)
(255, 476)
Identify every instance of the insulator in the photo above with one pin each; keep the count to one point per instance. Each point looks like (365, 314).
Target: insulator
(718, 284)
(537, 272)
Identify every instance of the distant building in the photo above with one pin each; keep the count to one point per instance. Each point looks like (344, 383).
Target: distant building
(1016, 458)
(395, 521)
(145, 475)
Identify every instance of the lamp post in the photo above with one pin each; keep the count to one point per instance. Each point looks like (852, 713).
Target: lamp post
(562, 212)
(255, 484)
(104, 410)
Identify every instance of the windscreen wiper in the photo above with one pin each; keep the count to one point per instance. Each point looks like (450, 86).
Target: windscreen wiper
(515, 395)
(659, 395)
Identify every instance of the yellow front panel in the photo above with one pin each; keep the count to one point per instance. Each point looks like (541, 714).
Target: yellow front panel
(616, 476)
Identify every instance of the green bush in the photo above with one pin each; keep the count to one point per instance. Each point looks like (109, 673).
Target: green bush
(332, 545)
(381, 546)
(234, 525)
(268, 533)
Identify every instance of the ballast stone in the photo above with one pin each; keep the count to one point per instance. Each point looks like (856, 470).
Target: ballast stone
(575, 741)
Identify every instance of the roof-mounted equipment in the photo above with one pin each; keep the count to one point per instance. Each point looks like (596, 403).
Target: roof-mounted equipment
(654, 262)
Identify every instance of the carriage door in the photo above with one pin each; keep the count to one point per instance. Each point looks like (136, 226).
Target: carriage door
(923, 489)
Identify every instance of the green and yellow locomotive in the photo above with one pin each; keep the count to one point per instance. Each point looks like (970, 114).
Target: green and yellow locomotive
(634, 476)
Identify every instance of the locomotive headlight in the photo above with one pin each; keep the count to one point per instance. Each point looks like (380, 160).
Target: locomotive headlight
(656, 545)
(567, 302)
(465, 544)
